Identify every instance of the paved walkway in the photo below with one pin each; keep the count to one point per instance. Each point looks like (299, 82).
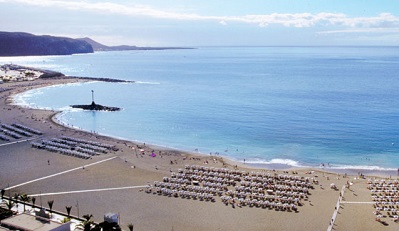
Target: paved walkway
(19, 141)
(334, 216)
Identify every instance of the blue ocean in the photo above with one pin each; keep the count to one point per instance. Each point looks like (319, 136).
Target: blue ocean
(288, 106)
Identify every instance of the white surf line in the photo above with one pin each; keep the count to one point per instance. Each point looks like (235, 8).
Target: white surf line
(89, 190)
(60, 173)
(18, 141)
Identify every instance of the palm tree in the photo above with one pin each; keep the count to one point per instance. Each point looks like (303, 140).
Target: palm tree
(87, 217)
(16, 197)
(50, 205)
(87, 223)
(24, 198)
(68, 209)
(9, 204)
(130, 226)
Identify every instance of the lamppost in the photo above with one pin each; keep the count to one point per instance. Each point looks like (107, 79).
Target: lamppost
(77, 206)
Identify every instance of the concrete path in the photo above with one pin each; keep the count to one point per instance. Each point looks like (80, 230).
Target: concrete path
(334, 216)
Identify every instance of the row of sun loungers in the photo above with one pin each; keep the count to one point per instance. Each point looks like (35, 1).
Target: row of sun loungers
(89, 142)
(78, 145)
(16, 131)
(2, 89)
(248, 176)
(55, 144)
(385, 195)
(3, 137)
(181, 193)
(64, 151)
(72, 146)
(11, 134)
(28, 129)
(241, 188)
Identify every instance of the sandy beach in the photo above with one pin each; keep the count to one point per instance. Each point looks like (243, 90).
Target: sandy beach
(117, 182)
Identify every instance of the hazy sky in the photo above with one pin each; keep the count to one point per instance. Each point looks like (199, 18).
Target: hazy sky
(209, 22)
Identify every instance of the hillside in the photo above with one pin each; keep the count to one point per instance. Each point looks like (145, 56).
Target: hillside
(100, 47)
(25, 44)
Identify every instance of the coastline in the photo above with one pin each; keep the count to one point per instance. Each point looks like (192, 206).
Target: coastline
(152, 212)
(373, 171)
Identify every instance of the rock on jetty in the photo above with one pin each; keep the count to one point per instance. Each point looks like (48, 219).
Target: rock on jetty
(96, 107)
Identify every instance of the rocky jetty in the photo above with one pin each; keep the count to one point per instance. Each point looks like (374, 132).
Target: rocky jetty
(95, 107)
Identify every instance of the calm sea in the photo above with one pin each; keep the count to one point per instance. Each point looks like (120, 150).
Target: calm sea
(297, 106)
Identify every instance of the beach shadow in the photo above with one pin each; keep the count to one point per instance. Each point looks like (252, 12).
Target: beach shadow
(384, 223)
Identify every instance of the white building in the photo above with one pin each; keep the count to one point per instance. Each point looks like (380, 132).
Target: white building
(27, 222)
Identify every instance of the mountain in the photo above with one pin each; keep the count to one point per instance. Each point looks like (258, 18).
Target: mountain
(25, 44)
(100, 47)
(96, 45)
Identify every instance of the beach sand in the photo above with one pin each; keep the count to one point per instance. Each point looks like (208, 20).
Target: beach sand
(21, 166)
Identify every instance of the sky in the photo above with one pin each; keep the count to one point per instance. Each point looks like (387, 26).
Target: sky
(209, 22)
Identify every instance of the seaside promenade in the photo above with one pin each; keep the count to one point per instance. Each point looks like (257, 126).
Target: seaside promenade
(211, 193)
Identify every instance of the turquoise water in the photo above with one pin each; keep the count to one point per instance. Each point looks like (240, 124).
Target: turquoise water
(298, 106)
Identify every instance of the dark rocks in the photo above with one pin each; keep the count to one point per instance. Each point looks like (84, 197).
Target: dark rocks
(96, 107)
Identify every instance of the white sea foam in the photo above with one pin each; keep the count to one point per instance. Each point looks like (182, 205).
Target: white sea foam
(288, 162)
(23, 59)
(69, 109)
(144, 82)
(77, 84)
(23, 98)
(360, 167)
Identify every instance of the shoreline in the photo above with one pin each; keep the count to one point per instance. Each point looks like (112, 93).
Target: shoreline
(135, 165)
(373, 171)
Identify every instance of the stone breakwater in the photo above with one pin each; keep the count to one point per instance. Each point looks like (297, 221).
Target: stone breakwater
(96, 107)
(111, 80)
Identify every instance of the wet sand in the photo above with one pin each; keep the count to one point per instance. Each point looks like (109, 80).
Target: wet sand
(20, 163)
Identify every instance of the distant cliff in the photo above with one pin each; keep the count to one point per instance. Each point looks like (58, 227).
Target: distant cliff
(24, 44)
(100, 47)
